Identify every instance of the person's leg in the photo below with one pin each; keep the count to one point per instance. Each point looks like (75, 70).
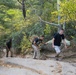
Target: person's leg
(11, 51)
(7, 51)
(38, 54)
(35, 51)
(57, 49)
(35, 54)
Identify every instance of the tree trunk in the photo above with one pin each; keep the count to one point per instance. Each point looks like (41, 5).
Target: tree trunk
(23, 8)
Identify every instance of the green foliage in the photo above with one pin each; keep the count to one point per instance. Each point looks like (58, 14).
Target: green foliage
(69, 9)
(71, 29)
(17, 37)
(8, 3)
(36, 29)
(47, 30)
(25, 45)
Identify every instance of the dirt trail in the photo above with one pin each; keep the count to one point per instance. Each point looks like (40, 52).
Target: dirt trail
(58, 69)
(13, 65)
(22, 66)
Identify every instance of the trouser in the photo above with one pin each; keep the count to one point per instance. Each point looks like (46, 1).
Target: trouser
(9, 50)
(57, 49)
(36, 52)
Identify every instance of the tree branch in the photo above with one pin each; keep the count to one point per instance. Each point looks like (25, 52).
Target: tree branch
(42, 19)
(49, 22)
(19, 2)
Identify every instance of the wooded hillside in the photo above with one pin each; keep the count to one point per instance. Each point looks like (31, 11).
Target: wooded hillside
(20, 19)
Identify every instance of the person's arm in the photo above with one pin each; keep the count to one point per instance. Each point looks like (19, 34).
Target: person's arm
(55, 36)
(63, 38)
(49, 42)
(65, 43)
(42, 42)
(34, 43)
(53, 42)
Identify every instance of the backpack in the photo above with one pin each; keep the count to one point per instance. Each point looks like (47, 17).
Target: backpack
(33, 37)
